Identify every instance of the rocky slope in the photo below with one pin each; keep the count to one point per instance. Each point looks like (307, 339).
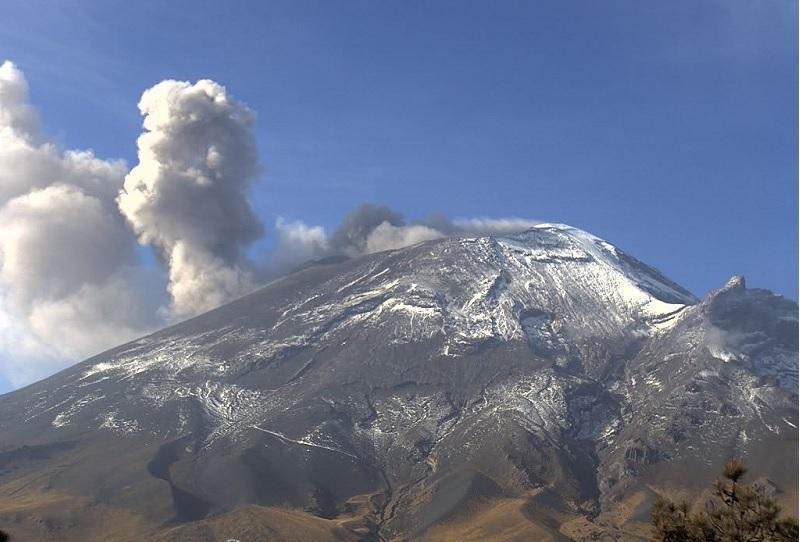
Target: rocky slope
(542, 384)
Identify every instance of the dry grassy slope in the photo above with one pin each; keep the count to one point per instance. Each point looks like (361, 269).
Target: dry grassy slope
(256, 523)
(500, 520)
(30, 511)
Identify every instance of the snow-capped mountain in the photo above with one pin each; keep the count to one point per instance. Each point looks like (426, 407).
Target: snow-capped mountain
(545, 375)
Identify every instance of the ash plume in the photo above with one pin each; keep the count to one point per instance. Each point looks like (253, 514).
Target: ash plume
(352, 235)
(370, 228)
(187, 195)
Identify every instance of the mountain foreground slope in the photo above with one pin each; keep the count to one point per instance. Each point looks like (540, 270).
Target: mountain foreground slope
(536, 386)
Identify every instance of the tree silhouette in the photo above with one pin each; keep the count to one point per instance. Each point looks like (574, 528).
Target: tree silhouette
(738, 512)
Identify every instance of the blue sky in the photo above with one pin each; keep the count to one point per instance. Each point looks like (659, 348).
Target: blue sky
(668, 128)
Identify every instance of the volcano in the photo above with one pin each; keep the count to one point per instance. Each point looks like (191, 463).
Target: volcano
(542, 385)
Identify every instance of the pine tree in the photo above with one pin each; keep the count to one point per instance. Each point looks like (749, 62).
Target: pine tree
(738, 512)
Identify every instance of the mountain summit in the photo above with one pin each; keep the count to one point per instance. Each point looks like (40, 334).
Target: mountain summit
(540, 385)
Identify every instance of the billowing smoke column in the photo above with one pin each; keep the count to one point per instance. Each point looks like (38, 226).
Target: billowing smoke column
(187, 195)
(68, 287)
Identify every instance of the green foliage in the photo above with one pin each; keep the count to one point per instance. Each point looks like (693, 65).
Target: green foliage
(738, 512)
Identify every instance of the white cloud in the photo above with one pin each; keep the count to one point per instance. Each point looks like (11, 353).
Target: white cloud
(389, 237)
(16, 114)
(56, 239)
(298, 243)
(102, 315)
(492, 226)
(65, 251)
